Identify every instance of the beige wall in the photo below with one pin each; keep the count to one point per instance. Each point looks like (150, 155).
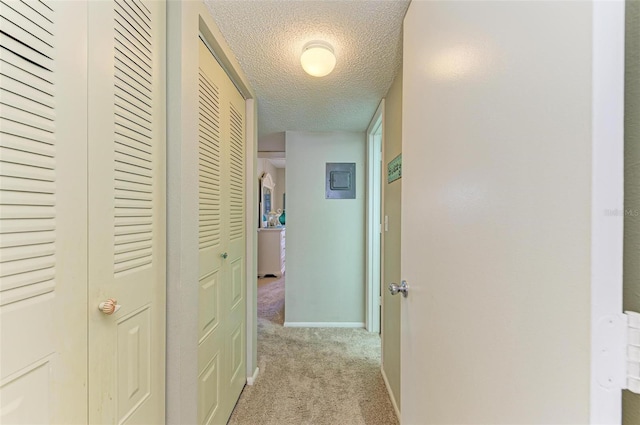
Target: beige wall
(265, 166)
(391, 256)
(271, 142)
(325, 237)
(281, 185)
(631, 402)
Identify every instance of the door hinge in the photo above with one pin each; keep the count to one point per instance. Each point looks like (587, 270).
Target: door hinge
(633, 351)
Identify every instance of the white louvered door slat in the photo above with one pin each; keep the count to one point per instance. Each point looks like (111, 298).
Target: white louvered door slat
(126, 211)
(43, 212)
(221, 313)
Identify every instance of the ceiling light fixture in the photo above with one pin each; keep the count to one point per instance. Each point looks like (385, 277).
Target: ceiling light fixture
(317, 58)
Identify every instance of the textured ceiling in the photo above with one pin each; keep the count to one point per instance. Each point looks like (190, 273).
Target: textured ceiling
(267, 37)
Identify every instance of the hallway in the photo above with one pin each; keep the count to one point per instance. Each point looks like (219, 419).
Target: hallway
(504, 136)
(312, 375)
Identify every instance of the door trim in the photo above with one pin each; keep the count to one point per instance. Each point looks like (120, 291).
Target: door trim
(373, 266)
(607, 371)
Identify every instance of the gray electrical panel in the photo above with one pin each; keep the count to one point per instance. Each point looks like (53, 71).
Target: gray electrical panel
(340, 180)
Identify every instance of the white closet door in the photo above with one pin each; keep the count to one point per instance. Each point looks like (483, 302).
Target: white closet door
(43, 213)
(221, 314)
(127, 211)
(236, 279)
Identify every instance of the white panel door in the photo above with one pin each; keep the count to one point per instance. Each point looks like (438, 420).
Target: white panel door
(43, 212)
(500, 197)
(127, 211)
(222, 235)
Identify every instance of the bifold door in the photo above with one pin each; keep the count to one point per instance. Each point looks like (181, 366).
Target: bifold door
(43, 212)
(127, 210)
(221, 313)
(82, 187)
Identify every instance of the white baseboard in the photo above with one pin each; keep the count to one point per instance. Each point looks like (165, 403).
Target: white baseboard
(393, 399)
(324, 324)
(252, 379)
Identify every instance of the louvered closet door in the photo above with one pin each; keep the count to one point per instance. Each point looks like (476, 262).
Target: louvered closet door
(221, 314)
(43, 213)
(236, 279)
(126, 211)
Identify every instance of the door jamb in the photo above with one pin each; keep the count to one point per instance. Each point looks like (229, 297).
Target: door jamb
(375, 134)
(608, 355)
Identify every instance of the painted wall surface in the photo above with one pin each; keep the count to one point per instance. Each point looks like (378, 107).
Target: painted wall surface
(391, 255)
(325, 237)
(273, 142)
(281, 185)
(631, 402)
(182, 208)
(265, 166)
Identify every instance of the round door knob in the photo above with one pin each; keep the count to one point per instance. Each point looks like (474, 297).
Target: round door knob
(403, 288)
(109, 306)
(224, 255)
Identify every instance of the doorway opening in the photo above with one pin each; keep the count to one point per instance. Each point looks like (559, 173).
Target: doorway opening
(271, 236)
(374, 225)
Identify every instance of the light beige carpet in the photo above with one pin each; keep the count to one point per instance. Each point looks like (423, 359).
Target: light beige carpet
(319, 376)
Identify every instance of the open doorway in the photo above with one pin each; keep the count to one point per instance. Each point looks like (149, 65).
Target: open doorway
(271, 242)
(271, 236)
(374, 195)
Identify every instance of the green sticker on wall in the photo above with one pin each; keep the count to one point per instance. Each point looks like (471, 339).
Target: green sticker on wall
(394, 169)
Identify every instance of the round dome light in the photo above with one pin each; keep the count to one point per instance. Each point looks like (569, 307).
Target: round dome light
(318, 59)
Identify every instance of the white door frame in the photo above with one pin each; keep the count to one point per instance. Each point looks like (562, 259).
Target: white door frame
(608, 332)
(375, 133)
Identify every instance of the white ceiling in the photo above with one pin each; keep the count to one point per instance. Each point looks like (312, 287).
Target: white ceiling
(267, 37)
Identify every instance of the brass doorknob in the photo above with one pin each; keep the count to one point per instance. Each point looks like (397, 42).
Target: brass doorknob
(109, 306)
